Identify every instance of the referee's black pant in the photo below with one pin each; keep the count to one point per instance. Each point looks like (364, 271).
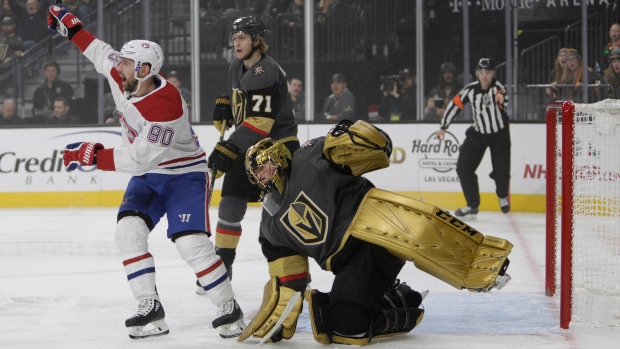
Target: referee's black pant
(470, 155)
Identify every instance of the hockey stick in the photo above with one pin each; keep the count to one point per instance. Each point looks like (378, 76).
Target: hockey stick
(214, 170)
(285, 313)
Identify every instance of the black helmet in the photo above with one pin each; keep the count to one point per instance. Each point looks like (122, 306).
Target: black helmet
(486, 63)
(250, 25)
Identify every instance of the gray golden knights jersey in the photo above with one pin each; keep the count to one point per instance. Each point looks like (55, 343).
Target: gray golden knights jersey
(317, 208)
(261, 103)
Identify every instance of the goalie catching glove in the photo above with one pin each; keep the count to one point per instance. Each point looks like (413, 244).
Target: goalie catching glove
(80, 154)
(289, 277)
(222, 157)
(62, 22)
(222, 115)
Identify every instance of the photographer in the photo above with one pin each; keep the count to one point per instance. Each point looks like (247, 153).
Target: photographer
(398, 103)
(435, 105)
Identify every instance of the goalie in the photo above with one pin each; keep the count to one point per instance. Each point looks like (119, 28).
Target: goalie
(317, 204)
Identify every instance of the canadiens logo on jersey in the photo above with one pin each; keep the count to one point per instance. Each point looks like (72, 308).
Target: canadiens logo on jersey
(238, 102)
(259, 70)
(305, 220)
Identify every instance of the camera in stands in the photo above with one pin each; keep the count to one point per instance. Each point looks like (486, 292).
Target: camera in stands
(389, 81)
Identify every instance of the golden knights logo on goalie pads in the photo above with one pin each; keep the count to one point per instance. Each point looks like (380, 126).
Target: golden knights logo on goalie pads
(435, 241)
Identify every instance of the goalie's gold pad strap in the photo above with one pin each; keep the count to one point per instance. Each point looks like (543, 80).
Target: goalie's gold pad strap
(323, 337)
(437, 242)
(275, 299)
(350, 341)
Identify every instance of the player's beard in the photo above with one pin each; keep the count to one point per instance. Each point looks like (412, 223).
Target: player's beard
(249, 54)
(130, 86)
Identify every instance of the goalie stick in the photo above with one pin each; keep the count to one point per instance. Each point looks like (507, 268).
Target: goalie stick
(289, 307)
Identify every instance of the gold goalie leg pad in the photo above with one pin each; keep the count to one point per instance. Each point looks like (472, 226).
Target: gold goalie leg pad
(320, 313)
(434, 240)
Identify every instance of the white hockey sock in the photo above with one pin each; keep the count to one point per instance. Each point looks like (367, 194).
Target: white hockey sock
(131, 237)
(198, 251)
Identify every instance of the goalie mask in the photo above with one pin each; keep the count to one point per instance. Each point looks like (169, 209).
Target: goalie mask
(266, 163)
(357, 148)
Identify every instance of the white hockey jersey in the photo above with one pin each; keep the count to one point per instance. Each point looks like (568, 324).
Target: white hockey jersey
(157, 135)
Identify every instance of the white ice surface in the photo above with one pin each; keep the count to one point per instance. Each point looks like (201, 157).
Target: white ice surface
(62, 285)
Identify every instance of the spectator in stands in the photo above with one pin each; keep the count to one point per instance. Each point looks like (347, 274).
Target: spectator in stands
(9, 116)
(296, 87)
(612, 74)
(274, 7)
(436, 105)
(31, 21)
(62, 113)
(81, 8)
(14, 44)
(556, 75)
(296, 9)
(340, 104)
(175, 80)
(6, 10)
(573, 76)
(614, 41)
(447, 80)
(45, 95)
(398, 104)
(11, 49)
(240, 8)
(326, 9)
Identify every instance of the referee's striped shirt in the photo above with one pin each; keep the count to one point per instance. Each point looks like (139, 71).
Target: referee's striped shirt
(489, 116)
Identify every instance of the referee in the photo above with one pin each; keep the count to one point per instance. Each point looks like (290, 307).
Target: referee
(490, 130)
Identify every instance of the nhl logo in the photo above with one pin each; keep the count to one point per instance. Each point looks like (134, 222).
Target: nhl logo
(145, 45)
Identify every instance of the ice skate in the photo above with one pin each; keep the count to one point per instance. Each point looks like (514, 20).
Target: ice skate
(148, 321)
(467, 213)
(504, 204)
(229, 321)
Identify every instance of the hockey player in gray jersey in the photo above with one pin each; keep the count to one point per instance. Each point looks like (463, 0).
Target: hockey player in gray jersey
(260, 107)
(317, 204)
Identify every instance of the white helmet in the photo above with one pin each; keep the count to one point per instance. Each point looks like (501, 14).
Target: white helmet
(143, 51)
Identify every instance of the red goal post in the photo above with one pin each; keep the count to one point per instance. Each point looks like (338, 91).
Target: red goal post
(583, 211)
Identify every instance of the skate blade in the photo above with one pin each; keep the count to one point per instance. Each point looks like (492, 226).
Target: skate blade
(154, 329)
(232, 330)
(469, 217)
(501, 281)
(424, 294)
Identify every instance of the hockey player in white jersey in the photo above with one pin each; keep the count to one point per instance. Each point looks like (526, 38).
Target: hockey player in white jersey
(169, 172)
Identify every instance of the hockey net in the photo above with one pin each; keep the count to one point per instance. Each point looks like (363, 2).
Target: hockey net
(583, 211)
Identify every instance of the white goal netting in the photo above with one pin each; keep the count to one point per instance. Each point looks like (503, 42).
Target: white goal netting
(595, 199)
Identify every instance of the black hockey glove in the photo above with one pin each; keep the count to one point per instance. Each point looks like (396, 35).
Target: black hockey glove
(223, 156)
(223, 113)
